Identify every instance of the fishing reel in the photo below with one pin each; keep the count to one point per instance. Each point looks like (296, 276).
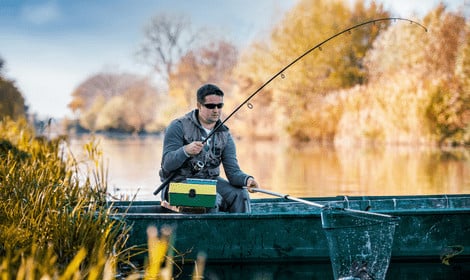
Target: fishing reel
(198, 166)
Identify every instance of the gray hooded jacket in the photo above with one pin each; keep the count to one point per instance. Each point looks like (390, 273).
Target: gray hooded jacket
(220, 148)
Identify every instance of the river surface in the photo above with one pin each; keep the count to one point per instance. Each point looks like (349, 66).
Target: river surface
(133, 164)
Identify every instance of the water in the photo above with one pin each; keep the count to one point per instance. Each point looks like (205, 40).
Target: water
(133, 164)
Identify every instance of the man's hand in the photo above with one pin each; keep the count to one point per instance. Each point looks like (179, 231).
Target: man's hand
(194, 148)
(251, 184)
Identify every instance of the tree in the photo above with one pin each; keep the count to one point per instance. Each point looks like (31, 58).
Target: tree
(448, 110)
(167, 38)
(338, 64)
(142, 105)
(106, 85)
(407, 49)
(254, 67)
(12, 103)
(213, 63)
(122, 102)
(422, 94)
(88, 119)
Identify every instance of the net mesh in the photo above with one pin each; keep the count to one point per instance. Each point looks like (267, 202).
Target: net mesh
(360, 243)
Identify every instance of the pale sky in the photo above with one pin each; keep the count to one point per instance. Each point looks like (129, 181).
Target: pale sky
(51, 46)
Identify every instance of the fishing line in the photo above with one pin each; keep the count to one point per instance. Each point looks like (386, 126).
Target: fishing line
(281, 73)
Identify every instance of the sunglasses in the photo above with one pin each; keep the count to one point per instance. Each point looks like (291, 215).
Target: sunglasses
(212, 106)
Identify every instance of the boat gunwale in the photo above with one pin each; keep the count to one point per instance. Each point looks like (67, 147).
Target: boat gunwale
(278, 207)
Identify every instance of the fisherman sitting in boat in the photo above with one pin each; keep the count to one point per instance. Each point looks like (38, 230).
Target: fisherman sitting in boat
(196, 144)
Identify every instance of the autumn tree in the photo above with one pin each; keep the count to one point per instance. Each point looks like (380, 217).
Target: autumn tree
(121, 102)
(88, 118)
(212, 63)
(254, 69)
(166, 39)
(141, 107)
(463, 74)
(448, 109)
(421, 96)
(106, 85)
(338, 64)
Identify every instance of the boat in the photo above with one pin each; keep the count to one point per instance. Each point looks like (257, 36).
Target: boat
(432, 228)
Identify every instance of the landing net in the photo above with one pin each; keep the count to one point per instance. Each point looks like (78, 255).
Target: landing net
(360, 243)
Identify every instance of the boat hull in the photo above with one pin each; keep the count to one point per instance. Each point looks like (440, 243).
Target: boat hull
(430, 228)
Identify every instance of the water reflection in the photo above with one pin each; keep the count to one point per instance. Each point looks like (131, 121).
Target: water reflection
(311, 171)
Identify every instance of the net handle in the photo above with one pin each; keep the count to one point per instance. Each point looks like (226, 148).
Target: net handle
(318, 205)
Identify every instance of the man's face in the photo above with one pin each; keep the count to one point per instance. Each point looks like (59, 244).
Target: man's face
(212, 114)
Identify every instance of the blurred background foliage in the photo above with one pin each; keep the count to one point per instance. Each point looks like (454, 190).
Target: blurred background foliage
(388, 82)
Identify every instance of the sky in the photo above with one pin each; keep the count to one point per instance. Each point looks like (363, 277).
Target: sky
(51, 46)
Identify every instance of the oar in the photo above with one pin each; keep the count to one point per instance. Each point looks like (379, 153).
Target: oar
(318, 205)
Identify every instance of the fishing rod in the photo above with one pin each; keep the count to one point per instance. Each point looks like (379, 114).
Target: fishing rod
(318, 46)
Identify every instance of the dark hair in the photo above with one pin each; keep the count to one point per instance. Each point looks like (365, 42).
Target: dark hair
(208, 89)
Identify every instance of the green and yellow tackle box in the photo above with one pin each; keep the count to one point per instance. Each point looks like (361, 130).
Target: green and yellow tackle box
(193, 193)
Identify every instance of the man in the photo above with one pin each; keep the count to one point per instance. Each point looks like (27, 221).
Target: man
(187, 153)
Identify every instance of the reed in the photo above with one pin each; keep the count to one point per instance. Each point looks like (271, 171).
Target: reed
(54, 221)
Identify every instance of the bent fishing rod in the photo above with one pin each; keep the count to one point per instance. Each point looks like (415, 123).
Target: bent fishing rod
(280, 72)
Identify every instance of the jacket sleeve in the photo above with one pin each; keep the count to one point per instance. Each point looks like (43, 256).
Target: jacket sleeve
(232, 170)
(173, 152)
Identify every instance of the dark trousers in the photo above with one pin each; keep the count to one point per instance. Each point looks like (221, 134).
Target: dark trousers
(232, 199)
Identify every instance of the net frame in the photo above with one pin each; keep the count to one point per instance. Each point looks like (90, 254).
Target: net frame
(360, 242)
(349, 262)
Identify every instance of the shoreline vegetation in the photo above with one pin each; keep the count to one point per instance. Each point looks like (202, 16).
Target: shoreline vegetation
(55, 221)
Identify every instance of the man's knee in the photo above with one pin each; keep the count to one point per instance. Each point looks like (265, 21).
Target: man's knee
(235, 200)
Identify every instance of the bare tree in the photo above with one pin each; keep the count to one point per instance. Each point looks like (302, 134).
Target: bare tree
(167, 39)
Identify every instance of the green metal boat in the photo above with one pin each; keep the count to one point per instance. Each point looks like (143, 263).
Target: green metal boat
(431, 228)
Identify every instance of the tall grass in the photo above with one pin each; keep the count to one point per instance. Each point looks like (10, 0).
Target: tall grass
(51, 223)
(55, 222)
